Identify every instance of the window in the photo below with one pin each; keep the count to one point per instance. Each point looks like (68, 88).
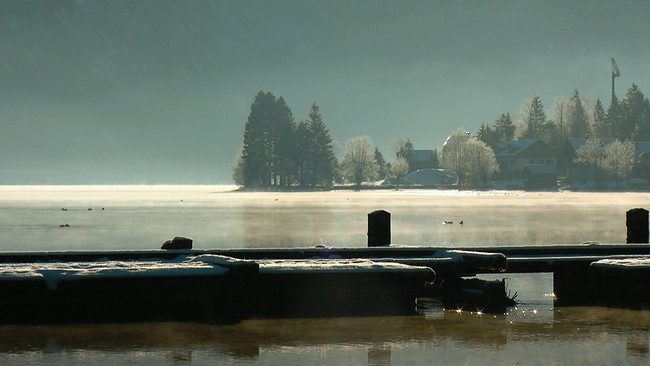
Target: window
(541, 161)
(532, 161)
(549, 161)
(512, 162)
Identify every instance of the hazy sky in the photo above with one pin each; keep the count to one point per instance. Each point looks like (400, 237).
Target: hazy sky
(159, 91)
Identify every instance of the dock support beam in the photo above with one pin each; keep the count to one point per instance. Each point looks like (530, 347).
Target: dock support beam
(378, 228)
(637, 225)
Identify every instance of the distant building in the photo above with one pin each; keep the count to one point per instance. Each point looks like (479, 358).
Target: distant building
(423, 159)
(515, 155)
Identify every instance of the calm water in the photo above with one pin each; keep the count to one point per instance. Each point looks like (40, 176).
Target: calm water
(142, 217)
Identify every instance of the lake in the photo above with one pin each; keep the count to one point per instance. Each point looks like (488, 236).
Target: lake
(142, 217)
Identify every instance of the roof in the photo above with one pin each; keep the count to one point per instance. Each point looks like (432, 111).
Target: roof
(643, 147)
(577, 142)
(421, 155)
(541, 170)
(513, 147)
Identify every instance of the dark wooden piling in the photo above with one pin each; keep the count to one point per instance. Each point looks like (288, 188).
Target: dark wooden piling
(637, 225)
(378, 228)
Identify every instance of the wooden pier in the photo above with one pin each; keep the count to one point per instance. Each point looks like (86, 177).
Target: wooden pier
(229, 285)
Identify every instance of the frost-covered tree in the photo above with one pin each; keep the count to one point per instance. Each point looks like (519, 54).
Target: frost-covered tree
(620, 158)
(400, 168)
(452, 152)
(358, 164)
(479, 160)
(592, 154)
(473, 160)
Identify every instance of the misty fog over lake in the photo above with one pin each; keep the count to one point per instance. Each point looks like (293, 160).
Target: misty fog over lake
(142, 217)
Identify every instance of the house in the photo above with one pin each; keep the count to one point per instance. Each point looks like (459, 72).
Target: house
(515, 155)
(423, 159)
(539, 177)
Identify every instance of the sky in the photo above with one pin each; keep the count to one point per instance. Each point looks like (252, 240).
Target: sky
(158, 92)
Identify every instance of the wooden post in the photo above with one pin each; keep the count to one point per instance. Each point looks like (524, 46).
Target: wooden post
(378, 228)
(637, 225)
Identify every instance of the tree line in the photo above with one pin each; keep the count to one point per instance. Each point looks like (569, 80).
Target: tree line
(575, 117)
(278, 152)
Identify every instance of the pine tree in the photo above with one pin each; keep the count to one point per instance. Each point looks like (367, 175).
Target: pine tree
(303, 153)
(504, 128)
(487, 134)
(577, 119)
(323, 160)
(406, 151)
(614, 119)
(535, 118)
(635, 113)
(282, 143)
(601, 127)
(256, 150)
(381, 162)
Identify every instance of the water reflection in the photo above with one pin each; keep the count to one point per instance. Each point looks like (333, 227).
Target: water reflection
(383, 339)
(637, 346)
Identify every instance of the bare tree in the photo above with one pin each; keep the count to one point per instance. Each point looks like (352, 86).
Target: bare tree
(397, 145)
(558, 114)
(400, 168)
(359, 163)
